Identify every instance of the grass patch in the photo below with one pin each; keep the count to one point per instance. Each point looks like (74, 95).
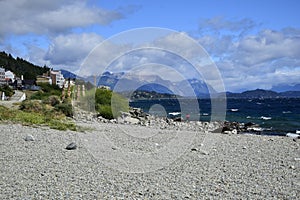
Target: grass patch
(43, 107)
(6, 114)
(29, 93)
(57, 124)
(52, 119)
(46, 91)
(29, 118)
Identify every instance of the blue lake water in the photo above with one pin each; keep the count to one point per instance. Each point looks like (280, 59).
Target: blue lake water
(278, 116)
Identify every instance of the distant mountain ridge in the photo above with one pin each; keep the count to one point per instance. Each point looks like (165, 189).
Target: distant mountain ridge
(202, 90)
(160, 86)
(285, 87)
(68, 74)
(260, 93)
(121, 82)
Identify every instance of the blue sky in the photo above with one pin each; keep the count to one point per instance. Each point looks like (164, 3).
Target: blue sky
(254, 44)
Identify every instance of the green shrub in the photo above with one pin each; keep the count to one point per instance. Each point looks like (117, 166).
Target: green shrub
(103, 96)
(65, 108)
(105, 111)
(39, 95)
(46, 87)
(32, 106)
(7, 90)
(6, 114)
(52, 100)
(67, 100)
(109, 104)
(46, 91)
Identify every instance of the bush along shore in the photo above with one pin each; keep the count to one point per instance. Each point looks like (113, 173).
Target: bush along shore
(36, 113)
(44, 107)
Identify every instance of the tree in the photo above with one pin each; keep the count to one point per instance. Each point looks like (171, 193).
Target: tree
(110, 104)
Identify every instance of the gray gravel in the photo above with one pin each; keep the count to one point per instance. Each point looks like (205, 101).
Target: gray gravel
(211, 166)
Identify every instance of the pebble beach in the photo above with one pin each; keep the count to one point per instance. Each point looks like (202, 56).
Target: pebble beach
(210, 166)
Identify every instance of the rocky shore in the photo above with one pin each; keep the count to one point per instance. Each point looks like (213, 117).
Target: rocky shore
(135, 157)
(137, 117)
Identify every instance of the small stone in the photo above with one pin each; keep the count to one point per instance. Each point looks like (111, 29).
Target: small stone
(194, 149)
(71, 146)
(114, 148)
(292, 167)
(29, 138)
(244, 147)
(204, 152)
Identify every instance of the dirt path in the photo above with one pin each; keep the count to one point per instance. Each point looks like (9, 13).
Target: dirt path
(14, 101)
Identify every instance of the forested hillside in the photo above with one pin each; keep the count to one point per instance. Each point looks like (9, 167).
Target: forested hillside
(20, 66)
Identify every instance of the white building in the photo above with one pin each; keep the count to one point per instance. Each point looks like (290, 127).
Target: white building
(10, 75)
(2, 76)
(57, 78)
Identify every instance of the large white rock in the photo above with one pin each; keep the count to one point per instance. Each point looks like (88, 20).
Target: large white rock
(29, 138)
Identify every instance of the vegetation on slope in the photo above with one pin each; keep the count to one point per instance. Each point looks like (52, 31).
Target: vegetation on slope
(7, 90)
(21, 67)
(42, 108)
(37, 113)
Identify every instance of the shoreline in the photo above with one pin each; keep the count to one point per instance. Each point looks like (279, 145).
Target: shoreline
(137, 117)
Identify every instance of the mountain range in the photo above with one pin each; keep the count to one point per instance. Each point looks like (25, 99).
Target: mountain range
(285, 87)
(151, 83)
(259, 93)
(121, 82)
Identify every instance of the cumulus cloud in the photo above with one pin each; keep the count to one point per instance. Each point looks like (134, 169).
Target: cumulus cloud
(256, 60)
(69, 50)
(40, 17)
(267, 46)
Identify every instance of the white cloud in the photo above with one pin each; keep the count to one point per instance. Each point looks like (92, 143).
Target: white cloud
(254, 61)
(70, 50)
(267, 46)
(40, 17)
(36, 54)
(52, 24)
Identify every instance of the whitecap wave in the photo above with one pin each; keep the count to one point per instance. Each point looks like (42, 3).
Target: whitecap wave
(265, 118)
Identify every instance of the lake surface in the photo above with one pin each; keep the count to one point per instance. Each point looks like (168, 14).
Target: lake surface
(277, 116)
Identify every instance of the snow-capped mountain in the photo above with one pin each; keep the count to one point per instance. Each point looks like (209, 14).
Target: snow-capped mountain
(123, 82)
